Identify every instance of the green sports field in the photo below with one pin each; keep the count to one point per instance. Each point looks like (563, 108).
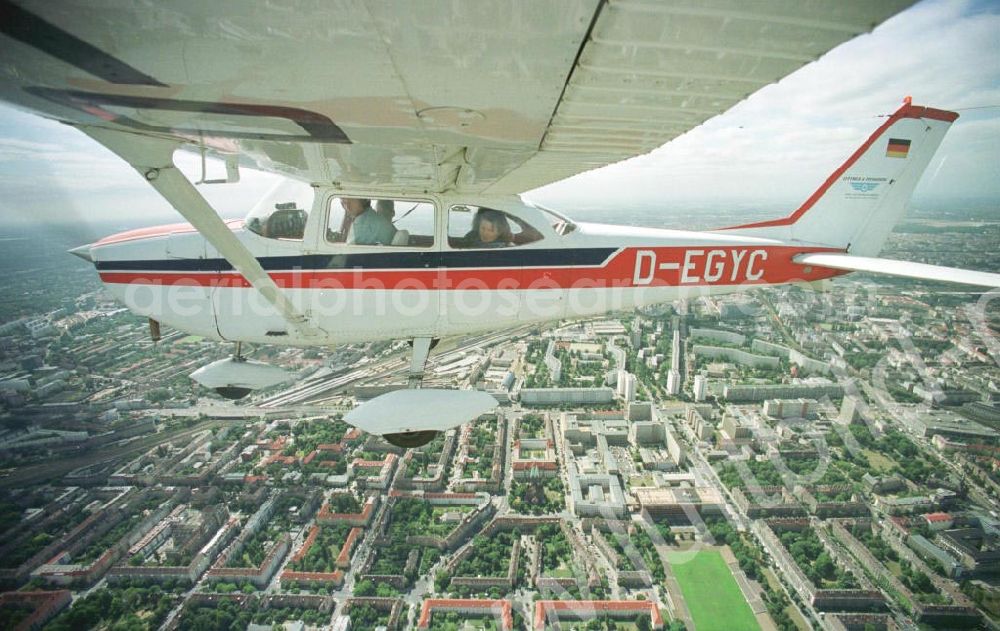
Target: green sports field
(711, 592)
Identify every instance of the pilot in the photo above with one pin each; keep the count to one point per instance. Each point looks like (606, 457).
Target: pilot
(364, 226)
(286, 222)
(527, 233)
(493, 230)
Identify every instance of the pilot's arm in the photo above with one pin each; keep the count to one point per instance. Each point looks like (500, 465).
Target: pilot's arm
(528, 234)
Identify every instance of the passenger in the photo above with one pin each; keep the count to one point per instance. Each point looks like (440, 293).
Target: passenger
(493, 229)
(363, 225)
(386, 208)
(353, 206)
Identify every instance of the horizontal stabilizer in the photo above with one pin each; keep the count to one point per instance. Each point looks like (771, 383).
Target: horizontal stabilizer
(900, 268)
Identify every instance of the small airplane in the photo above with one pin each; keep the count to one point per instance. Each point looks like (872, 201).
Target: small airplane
(408, 133)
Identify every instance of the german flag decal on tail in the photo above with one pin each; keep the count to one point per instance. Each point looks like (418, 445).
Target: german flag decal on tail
(898, 148)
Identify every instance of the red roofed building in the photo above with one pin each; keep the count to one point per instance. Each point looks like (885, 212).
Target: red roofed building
(368, 464)
(445, 499)
(273, 445)
(372, 479)
(450, 496)
(344, 558)
(541, 465)
(44, 605)
(56, 572)
(528, 463)
(335, 578)
(324, 516)
(939, 521)
(590, 609)
(285, 460)
(304, 550)
(498, 608)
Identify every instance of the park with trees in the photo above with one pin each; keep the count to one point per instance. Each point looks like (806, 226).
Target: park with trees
(128, 607)
(538, 496)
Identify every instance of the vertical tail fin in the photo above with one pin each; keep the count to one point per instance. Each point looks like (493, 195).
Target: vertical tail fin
(858, 205)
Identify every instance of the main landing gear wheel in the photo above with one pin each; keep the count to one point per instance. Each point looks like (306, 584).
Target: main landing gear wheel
(415, 416)
(233, 393)
(235, 377)
(409, 440)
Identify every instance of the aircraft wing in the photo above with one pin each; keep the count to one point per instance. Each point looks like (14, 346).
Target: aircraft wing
(479, 97)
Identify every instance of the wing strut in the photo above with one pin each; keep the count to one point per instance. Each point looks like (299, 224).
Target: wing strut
(152, 157)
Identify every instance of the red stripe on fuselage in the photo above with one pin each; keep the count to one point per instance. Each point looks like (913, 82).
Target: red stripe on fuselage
(158, 231)
(631, 267)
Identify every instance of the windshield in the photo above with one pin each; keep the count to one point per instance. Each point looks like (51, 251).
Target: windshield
(282, 213)
(560, 223)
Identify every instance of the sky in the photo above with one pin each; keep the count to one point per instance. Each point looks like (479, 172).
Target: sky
(773, 149)
(780, 144)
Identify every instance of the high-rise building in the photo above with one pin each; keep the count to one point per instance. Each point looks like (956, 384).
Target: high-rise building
(790, 408)
(635, 336)
(849, 412)
(700, 387)
(674, 382)
(626, 386)
(639, 412)
(738, 433)
(551, 396)
(741, 392)
(674, 448)
(629, 394)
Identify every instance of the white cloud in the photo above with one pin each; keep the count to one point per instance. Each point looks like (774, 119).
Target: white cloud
(52, 173)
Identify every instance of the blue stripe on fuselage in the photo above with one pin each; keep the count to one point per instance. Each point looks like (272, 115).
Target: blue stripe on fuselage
(512, 257)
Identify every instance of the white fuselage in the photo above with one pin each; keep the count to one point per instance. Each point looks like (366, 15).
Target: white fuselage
(353, 293)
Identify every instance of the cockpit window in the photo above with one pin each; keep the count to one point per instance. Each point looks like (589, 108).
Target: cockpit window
(388, 222)
(283, 212)
(476, 227)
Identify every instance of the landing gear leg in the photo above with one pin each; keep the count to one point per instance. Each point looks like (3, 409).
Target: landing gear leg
(421, 350)
(235, 393)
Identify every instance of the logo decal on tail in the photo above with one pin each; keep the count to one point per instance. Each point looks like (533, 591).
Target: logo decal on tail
(864, 187)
